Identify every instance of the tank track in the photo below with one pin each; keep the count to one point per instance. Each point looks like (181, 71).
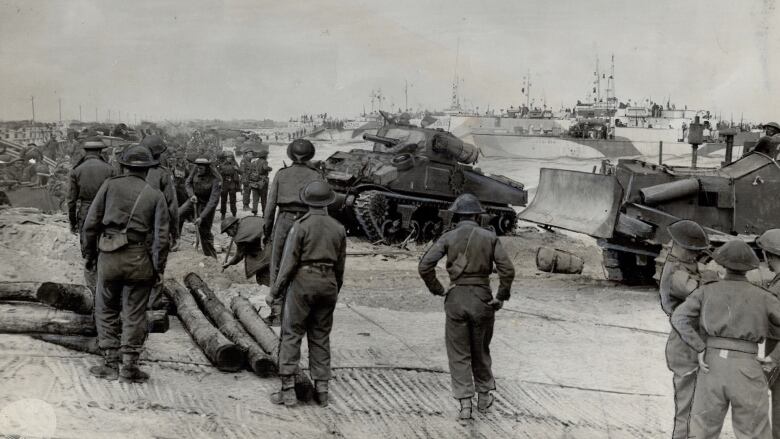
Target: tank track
(371, 211)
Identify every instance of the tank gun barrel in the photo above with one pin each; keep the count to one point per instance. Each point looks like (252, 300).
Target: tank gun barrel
(387, 141)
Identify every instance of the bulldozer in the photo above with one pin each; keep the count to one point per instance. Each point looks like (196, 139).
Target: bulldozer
(399, 191)
(627, 207)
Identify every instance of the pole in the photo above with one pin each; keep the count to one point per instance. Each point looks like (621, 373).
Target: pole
(96, 114)
(406, 95)
(32, 102)
(80, 113)
(59, 103)
(661, 152)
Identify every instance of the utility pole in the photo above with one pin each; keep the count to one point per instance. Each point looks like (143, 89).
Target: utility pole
(406, 95)
(59, 102)
(119, 118)
(96, 114)
(32, 102)
(109, 115)
(80, 113)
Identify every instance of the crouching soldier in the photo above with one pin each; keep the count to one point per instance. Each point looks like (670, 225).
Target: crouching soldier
(680, 276)
(310, 277)
(470, 307)
(735, 315)
(126, 232)
(247, 234)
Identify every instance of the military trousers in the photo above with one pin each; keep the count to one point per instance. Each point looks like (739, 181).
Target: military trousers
(775, 392)
(737, 381)
(257, 194)
(227, 197)
(308, 310)
(683, 361)
(204, 228)
(468, 331)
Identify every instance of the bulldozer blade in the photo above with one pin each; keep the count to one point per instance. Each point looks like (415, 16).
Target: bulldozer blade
(578, 201)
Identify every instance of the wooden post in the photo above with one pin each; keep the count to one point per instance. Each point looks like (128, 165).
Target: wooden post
(24, 317)
(222, 353)
(77, 298)
(267, 338)
(661, 152)
(260, 362)
(22, 291)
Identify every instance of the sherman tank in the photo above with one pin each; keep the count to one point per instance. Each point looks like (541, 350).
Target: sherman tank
(401, 189)
(628, 206)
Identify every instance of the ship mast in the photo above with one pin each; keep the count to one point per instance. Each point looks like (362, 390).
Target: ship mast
(455, 104)
(597, 83)
(611, 99)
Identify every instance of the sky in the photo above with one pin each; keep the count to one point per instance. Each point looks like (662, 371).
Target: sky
(244, 59)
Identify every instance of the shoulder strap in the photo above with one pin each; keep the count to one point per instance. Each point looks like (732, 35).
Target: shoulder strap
(137, 199)
(468, 244)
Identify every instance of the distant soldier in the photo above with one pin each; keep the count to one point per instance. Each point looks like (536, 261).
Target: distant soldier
(310, 276)
(247, 234)
(231, 182)
(257, 180)
(679, 278)
(243, 169)
(735, 315)
(204, 187)
(126, 234)
(769, 242)
(470, 307)
(86, 177)
(285, 194)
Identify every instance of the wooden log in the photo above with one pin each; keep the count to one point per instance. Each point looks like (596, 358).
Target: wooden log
(260, 362)
(22, 291)
(71, 297)
(223, 354)
(24, 317)
(79, 343)
(266, 337)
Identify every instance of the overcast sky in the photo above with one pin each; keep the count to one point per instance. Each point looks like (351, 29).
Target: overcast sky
(275, 59)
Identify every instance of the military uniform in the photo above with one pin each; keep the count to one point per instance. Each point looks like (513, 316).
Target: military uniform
(257, 182)
(248, 238)
(243, 169)
(207, 189)
(231, 182)
(310, 276)
(126, 209)
(736, 316)
(769, 242)
(161, 179)
(86, 178)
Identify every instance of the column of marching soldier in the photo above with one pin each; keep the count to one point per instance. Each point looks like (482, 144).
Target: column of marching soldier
(128, 223)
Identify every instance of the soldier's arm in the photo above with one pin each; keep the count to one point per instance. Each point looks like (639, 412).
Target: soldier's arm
(290, 258)
(93, 226)
(173, 204)
(506, 271)
(683, 284)
(773, 312)
(73, 195)
(427, 266)
(342, 259)
(188, 183)
(685, 320)
(238, 257)
(216, 190)
(270, 209)
(160, 243)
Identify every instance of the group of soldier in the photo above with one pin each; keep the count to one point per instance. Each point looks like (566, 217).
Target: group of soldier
(717, 327)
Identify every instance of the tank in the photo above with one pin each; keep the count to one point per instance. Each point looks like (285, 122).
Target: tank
(400, 190)
(629, 205)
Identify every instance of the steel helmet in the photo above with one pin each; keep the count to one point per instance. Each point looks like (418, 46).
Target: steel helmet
(300, 150)
(736, 255)
(769, 241)
(93, 143)
(226, 223)
(202, 161)
(137, 156)
(689, 235)
(466, 204)
(155, 143)
(317, 194)
(774, 125)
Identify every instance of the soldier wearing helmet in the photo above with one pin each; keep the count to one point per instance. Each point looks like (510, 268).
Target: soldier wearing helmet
(161, 178)
(471, 253)
(85, 181)
(247, 234)
(243, 169)
(310, 276)
(204, 187)
(680, 277)
(769, 242)
(772, 129)
(126, 235)
(256, 181)
(734, 317)
(285, 195)
(231, 182)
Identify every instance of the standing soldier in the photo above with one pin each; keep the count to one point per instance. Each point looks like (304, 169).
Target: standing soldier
(246, 192)
(247, 234)
(471, 253)
(310, 276)
(680, 276)
(204, 188)
(769, 242)
(126, 233)
(161, 178)
(258, 180)
(86, 177)
(228, 170)
(284, 193)
(735, 315)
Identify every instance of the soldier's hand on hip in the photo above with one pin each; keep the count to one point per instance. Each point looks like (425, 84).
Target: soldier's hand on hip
(496, 304)
(197, 221)
(269, 298)
(703, 366)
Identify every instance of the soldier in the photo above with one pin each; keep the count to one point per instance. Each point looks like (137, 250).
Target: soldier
(243, 169)
(86, 178)
(470, 307)
(310, 275)
(204, 188)
(257, 180)
(771, 128)
(126, 235)
(679, 277)
(160, 178)
(247, 234)
(769, 242)
(735, 316)
(231, 182)
(284, 193)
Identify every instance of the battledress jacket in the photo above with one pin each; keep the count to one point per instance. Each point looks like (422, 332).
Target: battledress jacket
(207, 188)
(85, 181)
(285, 190)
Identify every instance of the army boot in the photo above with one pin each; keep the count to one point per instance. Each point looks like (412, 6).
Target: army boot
(110, 368)
(321, 395)
(130, 373)
(464, 417)
(484, 401)
(285, 395)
